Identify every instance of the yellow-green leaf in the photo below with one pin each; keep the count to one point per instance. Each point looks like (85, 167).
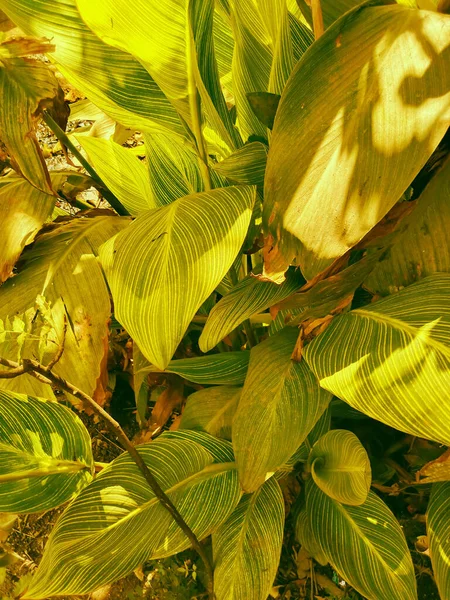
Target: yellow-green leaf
(170, 260)
(365, 544)
(340, 467)
(280, 403)
(398, 372)
(119, 510)
(246, 165)
(247, 546)
(361, 113)
(438, 529)
(45, 456)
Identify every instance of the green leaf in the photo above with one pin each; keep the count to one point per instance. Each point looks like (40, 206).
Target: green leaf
(62, 266)
(360, 115)
(320, 428)
(247, 546)
(331, 9)
(365, 544)
(280, 403)
(246, 165)
(46, 457)
(438, 529)
(227, 368)
(24, 83)
(304, 534)
(170, 260)
(402, 352)
(23, 210)
(124, 174)
(265, 106)
(248, 297)
(422, 248)
(119, 510)
(115, 81)
(340, 467)
(211, 410)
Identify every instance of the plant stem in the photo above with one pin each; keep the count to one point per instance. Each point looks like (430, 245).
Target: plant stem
(317, 18)
(195, 109)
(64, 139)
(34, 368)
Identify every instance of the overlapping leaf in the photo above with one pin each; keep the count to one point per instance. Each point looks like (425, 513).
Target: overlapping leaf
(303, 533)
(247, 298)
(246, 165)
(45, 457)
(118, 510)
(320, 428)
(62, 266)
(170, 260)
(227, 368)
(114, 80)
(340, 467)
(422, 246)
(365, 544)
(280, 403)
(364, 118)
(438, 529)
(211, 410)
(124, 174)
(398, 372)
(247, 546)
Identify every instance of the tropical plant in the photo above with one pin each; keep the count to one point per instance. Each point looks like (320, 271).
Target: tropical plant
(278, 253)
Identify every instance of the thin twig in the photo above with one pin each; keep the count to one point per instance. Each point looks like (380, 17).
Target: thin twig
(64, 139)
(33, 367)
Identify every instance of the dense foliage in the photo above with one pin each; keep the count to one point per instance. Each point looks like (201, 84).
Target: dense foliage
(272, 265)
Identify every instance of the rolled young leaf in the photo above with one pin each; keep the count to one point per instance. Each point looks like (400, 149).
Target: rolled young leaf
(168, 263)
(438, 530)
(45, 454)
(247, 546)
(365, 544)
(340, 467)
(364, 109)
(280, 403)
(391, 359)
(118, 510)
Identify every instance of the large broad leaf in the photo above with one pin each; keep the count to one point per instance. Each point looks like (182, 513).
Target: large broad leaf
(114, 80)
(280, 403)
(247, 298)
(365, 544)
(23, 210)
(247, 546)
(361, 113)
(320, 428)
(124, 174)
(62, 265)
(211, 410)
(304, 534)
(24, 84)
(438, 529)
(119, 507)
(391, 359)
(45, 457)
(423, 246)
(173, 40)
(246, 165)
(340, 467)
(170, 260)
(227, 368)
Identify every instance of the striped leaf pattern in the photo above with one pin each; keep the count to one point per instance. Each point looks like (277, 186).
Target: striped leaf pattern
(280, 403)
(365, 544)
(348, 122)
(114, 80)
(211, 410)
(304, 534)
(45, 454)
(422, 246)
(227, 368)
(247, 546)
(117, 523)
(320, 428)
(246, 165)
(124, 174)
(438, 529)
(170, 260)
(340, 467)
(247, 298)
(399, 371)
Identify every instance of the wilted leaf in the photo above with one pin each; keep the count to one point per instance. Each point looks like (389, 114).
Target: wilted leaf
(360, 119)
(46, 455)
(170, 260)
(247, 546)
(436, 470)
